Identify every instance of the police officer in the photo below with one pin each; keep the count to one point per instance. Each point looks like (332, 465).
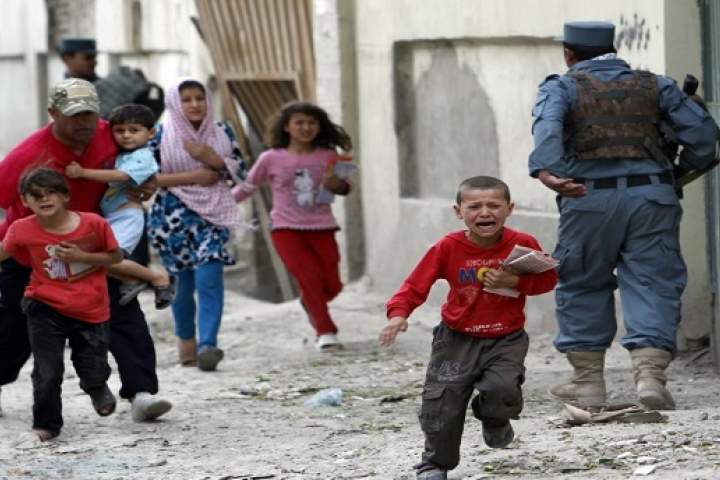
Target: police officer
(598, 145)
(79, 56)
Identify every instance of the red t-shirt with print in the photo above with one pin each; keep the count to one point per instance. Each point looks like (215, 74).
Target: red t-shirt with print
(468, 308)
(75, 290)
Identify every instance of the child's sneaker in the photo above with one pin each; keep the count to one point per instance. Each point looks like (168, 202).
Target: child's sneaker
(497, 432)
(328, 342)
(165, 294)
(426, 471)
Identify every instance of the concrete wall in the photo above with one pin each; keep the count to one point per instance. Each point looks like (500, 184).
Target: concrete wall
(156, 36)
(22, 48)
(445, 90)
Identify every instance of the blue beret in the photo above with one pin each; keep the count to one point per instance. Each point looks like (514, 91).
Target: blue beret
(72, 45)
(589, 34)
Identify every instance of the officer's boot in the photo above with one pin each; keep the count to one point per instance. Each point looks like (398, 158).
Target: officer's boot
(587, 385)
(650, 379)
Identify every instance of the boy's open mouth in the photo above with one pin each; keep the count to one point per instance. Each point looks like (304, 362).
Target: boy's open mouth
(485, 223)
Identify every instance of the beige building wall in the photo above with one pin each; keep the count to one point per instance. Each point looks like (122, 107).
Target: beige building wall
(445, 90)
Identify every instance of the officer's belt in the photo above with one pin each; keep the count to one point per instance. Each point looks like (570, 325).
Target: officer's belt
(630, 180)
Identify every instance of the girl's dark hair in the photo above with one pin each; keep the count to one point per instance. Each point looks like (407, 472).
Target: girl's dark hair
(43, 177)
(586, 53)
(329, 136)
(191, 84)
(132, 113)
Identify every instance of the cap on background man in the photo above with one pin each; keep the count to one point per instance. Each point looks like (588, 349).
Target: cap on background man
(72, 96)
(78, 55)
(589, 34)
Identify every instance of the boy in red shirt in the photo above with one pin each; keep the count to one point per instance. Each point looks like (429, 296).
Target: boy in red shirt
(67, 297)
(480, 343)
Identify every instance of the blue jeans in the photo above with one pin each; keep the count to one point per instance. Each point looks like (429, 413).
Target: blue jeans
(207, 279)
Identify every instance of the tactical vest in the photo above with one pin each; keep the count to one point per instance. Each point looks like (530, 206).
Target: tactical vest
(616, 119)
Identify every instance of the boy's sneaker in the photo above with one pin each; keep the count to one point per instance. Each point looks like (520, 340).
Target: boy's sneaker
(497, 432)
(430, 472)
(145, 407)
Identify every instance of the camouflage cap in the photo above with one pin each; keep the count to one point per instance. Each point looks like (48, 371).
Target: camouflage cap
(72, 96)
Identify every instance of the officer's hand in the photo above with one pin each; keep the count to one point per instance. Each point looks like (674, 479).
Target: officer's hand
(395, 325)
(563, 186)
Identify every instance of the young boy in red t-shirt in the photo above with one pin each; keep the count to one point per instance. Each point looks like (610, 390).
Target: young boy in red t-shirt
(480, 343)
(66, 298)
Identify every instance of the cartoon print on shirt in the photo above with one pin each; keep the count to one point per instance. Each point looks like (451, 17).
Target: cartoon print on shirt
(54, 267)
(304, 188)
(59, 270)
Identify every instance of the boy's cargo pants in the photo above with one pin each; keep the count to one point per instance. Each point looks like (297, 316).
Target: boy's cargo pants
(458, 365)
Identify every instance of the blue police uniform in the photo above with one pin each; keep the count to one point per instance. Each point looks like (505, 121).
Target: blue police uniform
(623, 226)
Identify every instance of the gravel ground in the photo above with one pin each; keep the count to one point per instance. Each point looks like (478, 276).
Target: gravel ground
(248, 420)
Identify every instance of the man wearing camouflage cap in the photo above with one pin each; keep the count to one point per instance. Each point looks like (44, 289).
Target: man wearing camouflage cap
(75, 134)
(599, 147)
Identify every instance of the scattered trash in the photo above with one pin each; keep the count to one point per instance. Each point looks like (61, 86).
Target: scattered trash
(327, 397)
(396, 398)
(644, 470)
(622, 413)
(645, 460)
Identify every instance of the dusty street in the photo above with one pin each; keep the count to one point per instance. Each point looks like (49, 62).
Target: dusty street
(249, 421)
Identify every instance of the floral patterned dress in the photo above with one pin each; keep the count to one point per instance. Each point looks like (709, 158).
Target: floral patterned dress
(182, 238)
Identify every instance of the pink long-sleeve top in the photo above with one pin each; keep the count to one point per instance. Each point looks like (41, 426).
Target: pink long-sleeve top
(294, 180)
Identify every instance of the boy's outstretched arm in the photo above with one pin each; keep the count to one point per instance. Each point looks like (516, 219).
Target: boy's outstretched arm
(390, 331)
(75, 170)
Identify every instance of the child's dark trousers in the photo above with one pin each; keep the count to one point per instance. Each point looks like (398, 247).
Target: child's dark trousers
(458, 365)
(48, 330)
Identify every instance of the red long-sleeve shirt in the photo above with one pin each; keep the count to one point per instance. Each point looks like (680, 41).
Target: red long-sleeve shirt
(469, 309)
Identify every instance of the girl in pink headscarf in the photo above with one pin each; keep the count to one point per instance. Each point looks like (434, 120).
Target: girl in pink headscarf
(194, 215)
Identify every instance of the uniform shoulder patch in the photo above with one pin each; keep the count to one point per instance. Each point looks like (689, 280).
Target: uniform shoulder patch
(554, 76)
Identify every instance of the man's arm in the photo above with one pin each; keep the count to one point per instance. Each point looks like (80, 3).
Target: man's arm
(546, 161)
(74, 170)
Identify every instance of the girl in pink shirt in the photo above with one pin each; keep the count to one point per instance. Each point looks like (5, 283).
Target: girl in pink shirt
(297, 167)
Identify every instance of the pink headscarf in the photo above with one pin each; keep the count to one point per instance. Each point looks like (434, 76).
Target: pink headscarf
(213, 202)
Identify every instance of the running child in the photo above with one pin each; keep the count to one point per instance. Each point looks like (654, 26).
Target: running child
(303, 144)
(132, 128)
(67, 297)
(480, 343)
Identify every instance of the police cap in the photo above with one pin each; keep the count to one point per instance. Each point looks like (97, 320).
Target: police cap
(81, 45)
(589, 34)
